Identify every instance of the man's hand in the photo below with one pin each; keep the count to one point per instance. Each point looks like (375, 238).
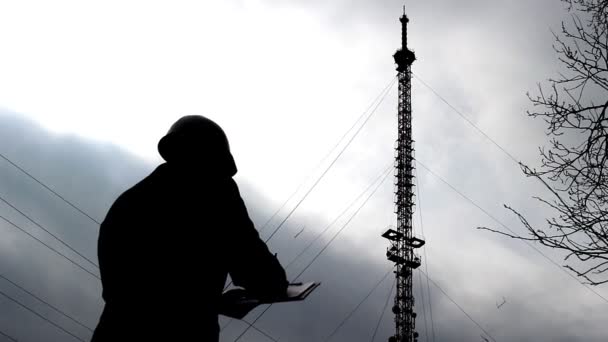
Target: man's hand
(237, 303)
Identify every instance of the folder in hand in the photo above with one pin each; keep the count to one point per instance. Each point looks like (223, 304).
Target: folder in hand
(237, 303)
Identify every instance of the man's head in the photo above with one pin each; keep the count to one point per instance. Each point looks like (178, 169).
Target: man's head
(196, 141)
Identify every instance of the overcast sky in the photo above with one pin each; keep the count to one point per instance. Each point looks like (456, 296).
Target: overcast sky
(87, 89)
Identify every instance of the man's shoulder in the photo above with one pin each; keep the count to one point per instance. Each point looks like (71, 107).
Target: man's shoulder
(138, 192)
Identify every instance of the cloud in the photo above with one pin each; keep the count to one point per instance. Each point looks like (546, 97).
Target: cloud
(481, 56)
(92, 175)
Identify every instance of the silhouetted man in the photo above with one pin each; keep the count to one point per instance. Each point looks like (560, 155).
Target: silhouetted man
(167, 244)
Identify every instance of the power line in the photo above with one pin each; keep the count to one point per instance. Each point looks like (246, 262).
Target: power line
(387, 172)
(389, 85)
(426, 258)
(457, 305)
(464, 117)
(513, 159)
(341, 324)
(47, 231)
(64, 256)
(509, 229)
(345, 224)
(48, 188)
(332, 162)
(383, 96)
(388, 298)
(502, 149)
(389, 167)
(260, 331)
(47, 303)
(251, 325)
(49, 247)
(8, 336)
(71, 204)
(40, 316)
(426, 329)
(346, 209)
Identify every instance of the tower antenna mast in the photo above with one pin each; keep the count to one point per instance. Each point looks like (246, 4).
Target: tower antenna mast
(402, 240)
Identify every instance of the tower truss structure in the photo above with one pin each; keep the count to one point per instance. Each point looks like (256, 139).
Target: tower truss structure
(403, 242)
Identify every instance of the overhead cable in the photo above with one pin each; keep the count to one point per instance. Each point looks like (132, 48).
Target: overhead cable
(509, 229)
(341, 324)
(47, 231)
(426, 329)
(346, 209)
(458, 306)
(61, 312)
(41, 316)
(48, 188)
(2, 333)
(465, 118)
(426, 259)
(345, 225)
(382, 97)
(386, 88)
(388, 299)
(49, 247)
(332, 162)
(260, 330)
(326, 245)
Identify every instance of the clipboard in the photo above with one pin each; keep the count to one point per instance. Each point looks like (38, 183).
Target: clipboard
(237, 303)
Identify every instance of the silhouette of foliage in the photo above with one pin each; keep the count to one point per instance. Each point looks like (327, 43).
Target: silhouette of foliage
(574, 166)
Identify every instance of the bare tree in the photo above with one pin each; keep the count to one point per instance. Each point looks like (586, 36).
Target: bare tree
(574, 166)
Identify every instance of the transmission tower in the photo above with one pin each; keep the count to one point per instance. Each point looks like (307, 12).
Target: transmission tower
(403, 243)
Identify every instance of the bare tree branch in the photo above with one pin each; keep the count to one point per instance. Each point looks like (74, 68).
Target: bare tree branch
(574, 165)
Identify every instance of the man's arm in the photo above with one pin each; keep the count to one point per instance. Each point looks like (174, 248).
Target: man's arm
(251, 264)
